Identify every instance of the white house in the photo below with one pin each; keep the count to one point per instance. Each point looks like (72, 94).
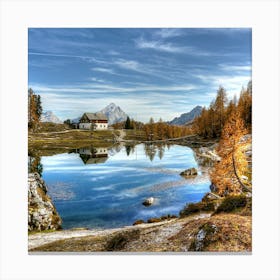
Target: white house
(93, 121)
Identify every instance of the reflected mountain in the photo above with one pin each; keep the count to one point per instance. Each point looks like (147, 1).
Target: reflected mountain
(114, 150)
(93, 155)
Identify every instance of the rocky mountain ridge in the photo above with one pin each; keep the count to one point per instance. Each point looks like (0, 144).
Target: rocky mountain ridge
(49, 116)
(187, 117)
(114, 113)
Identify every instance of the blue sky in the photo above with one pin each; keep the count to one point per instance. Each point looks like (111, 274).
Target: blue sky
(148, 72)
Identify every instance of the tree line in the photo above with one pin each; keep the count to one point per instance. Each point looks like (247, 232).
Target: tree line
(161, 130)
(212, 120)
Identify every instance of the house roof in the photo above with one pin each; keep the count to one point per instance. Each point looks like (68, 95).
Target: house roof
(95, 116)
(88, 159)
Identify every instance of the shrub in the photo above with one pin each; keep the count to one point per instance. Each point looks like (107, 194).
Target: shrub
(192, 208)
(119, 241)
(154, 220)
(231, 203)
(138, 222)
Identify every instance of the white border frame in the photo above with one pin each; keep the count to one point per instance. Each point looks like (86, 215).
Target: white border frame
(17, 16)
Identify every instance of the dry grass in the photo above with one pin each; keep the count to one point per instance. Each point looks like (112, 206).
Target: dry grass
(70, 139)
(232, 233)
(136, 135)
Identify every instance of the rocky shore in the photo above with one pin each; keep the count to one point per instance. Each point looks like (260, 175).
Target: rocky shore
(42, 214)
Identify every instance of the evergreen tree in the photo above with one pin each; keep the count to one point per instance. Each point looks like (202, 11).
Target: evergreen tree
(127, 123)
(39, 108)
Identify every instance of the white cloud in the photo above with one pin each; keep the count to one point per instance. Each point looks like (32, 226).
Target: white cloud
(160, 46)
(169, 32)
(129, 64)
(97, 80)
(232, 84)
(102, 88)
(171, 48)
(85, 58)
(103, 70)
(237, 68)
(113, 52)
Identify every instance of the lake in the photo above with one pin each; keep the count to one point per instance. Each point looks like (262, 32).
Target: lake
(105, 188)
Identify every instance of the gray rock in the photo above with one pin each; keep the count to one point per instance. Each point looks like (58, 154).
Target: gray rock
(203, 233)
(42, 214)
(149, 201)
(189, 172)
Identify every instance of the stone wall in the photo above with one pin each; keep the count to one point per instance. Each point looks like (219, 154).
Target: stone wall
(42, 214)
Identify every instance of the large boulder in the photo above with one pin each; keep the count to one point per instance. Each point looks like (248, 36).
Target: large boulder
(189, 172)
(148, 201)
(42, 214)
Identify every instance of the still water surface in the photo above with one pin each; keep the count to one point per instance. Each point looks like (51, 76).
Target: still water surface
(105, 188)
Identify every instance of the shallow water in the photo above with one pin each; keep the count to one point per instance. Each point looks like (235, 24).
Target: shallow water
(105, 188)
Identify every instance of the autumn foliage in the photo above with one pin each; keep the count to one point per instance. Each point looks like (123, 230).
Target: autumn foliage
(229, 121)
(161, 130)
(34, 109)
(226, 174)
(212, 120)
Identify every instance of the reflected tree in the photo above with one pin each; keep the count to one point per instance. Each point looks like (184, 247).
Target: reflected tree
(161, 149)
(150, 151)
(128, 150)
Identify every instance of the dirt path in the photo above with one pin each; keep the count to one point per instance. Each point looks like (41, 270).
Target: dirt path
(154, 235)
(56, 132)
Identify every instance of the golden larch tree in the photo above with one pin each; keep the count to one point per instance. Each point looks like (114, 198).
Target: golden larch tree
(227, 173)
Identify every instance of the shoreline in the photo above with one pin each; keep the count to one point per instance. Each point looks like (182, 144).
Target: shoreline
(39, 239)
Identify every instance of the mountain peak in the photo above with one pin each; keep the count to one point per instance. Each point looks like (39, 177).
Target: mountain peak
(49, 116)
(114, 113)
(112, 104)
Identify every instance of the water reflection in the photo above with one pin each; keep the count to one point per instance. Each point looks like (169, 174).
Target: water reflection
(110, 193)
(93, 155)
(152, 149)
(130, 149)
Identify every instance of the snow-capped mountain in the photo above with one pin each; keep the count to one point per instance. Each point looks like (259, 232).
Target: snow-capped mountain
(49, 116)
(187, 117)
(114, 113)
